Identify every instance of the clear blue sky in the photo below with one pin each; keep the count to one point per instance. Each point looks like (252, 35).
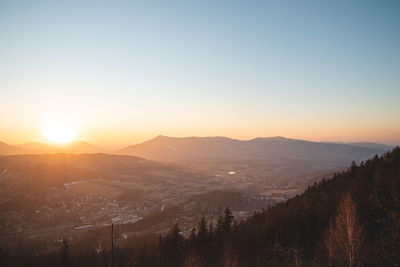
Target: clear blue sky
(129, 70)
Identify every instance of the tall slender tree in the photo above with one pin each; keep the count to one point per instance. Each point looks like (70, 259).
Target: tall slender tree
(347, 234)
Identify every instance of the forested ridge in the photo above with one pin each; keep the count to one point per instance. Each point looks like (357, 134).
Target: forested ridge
(352, 219)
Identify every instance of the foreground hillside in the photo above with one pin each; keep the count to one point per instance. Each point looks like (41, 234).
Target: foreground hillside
(352, 219)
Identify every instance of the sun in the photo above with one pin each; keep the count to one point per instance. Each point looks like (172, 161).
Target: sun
(60, 132)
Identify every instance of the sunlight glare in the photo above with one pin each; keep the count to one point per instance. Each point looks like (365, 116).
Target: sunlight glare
(60, 132)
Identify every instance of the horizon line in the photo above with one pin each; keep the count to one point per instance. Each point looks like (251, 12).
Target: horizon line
(192, 136)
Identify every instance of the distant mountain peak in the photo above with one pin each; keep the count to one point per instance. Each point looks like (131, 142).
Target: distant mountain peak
(160, 136)
(273, 138)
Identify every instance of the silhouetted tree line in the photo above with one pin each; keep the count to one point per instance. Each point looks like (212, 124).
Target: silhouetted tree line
(351, 220)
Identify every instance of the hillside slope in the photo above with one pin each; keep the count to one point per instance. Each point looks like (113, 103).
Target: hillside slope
(44, 170)
(294, 233)
(306, 230)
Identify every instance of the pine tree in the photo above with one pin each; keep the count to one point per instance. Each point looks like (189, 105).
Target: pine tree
(203, 240)
(65, 258)
(228, 220)
(203, 232)
(172, 248)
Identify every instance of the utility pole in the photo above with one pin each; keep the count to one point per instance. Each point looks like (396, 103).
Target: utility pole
(112, 245)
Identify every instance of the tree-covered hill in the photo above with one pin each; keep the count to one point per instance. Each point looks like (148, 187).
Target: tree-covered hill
(352, 219)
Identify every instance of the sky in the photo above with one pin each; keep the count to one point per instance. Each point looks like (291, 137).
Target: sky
(126, 71)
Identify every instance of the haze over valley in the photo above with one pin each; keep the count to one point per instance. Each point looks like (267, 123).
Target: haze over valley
(48, 191)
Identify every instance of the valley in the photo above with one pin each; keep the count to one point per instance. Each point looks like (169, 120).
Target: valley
(47, 197)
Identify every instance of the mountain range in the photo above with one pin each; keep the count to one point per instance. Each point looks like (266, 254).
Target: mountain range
(274, 150)
(164, 148)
